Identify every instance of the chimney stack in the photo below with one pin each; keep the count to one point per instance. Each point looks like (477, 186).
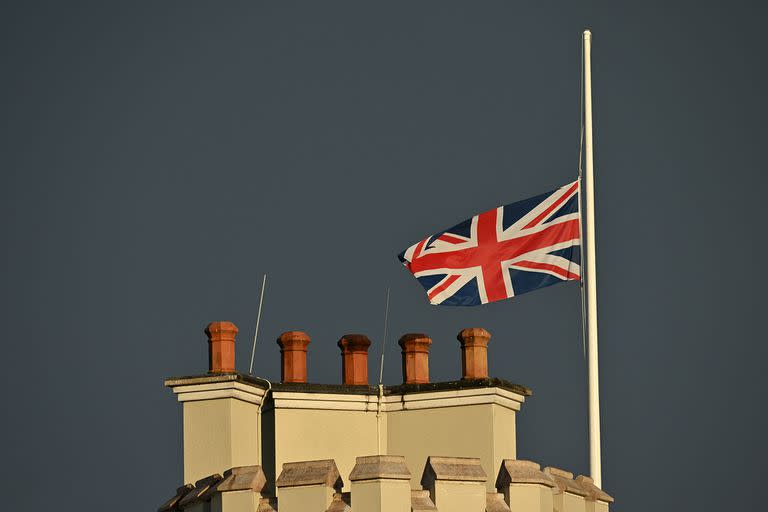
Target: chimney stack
(474, 353)
(354, 359)
(221, 347)
(293, 356)
(415, 358)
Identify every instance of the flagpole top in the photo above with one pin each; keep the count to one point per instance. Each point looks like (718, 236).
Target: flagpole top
(587, 34)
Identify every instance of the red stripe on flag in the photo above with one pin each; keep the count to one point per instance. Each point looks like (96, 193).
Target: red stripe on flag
(419, 248)
(489, 252)
(547, 266)
(436, 290)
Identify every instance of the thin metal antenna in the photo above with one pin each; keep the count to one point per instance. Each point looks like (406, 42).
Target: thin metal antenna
(384, 340)
(258, 319)
(381, 377)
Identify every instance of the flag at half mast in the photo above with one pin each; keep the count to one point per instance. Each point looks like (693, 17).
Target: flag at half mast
(503, 252)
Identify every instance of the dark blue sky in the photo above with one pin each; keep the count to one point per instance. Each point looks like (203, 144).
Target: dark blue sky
(157, 158)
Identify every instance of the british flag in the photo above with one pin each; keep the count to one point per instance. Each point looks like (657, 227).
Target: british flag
(503, 252)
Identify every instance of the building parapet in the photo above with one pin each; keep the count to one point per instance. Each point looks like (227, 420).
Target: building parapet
(380, 483)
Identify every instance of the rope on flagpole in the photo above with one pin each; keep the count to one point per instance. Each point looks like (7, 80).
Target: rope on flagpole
(581, 112)
(582, 289)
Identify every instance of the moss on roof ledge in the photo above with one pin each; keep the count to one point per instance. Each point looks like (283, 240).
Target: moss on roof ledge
(458, 384)
(302, 387)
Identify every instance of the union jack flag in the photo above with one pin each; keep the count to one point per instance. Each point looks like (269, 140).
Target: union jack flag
(503, 252)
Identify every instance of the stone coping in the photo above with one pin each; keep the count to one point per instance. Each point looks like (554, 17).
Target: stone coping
(243, 478)
(240, 478)
(373, 467)
(211, 378)
(462, 469)
(421, 501)
(173, 502)
(303, 387)
(522, 472)
(594, 492)
(324, 472)
(565, 482)
(313, 472)
(202, 491)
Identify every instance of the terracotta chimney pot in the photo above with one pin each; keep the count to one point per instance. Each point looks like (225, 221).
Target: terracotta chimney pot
(293, 356)
(415, 358)
(221, 347)
(354, 359)
(474, 353)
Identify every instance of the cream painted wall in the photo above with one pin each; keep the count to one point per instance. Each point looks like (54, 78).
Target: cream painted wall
(596, 506)
(306, 498)
(311, 434)
(486, 431)
(245, 428)
(504, 442)
(459, 496)
(235, 501)
(382, 495)
(529, 497)
(219, 434)
(567, 502)
(222, 431)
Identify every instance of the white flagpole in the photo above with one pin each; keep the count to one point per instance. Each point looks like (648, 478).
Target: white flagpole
(591, 278)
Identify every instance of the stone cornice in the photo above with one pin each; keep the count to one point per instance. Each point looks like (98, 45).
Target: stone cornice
(454, 398)
(209, 387)
(393, 403)
(350, 398)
